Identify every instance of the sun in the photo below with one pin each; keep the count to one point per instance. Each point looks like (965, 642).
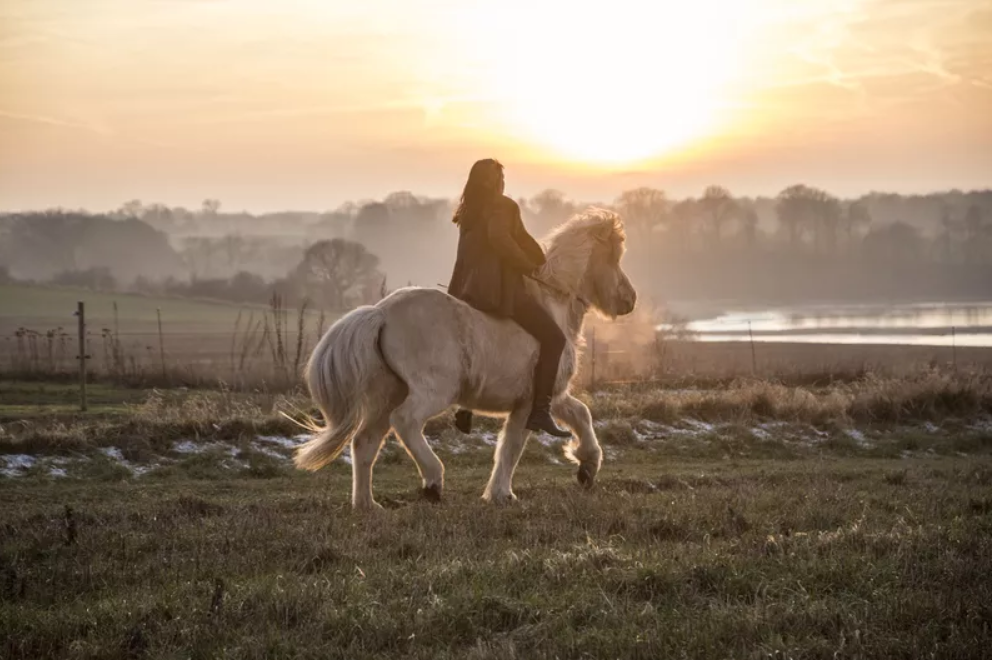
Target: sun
(609, 83)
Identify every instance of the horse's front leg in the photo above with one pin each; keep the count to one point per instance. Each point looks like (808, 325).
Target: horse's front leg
(585, 450)
(509, 448)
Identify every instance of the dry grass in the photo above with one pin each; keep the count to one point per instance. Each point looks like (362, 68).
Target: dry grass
(692, 559)
(167, 415)
(932, 395)
(258, 348)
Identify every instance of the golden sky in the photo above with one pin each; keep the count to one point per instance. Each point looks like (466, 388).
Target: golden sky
(303, 104)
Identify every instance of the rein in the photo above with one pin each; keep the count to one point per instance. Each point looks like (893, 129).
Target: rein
(551, 287)
(559, 291)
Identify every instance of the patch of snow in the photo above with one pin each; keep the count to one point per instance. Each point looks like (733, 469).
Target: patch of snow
(268, 451)
(288, 443)
(930, 427)
(187, 447)
(14, 465)
(487, 438)
(983, 425)
(114, 454)
(546, 440)
(858, 437)
(760, 433)
(190, 447)
(702, 427)
(457, 448)
(57, 472)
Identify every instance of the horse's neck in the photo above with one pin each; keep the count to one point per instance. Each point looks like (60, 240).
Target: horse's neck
(569, 315)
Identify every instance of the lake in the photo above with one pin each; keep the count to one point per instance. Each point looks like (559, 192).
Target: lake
(933, 324)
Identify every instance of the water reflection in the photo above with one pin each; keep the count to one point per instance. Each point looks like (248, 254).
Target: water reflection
(936, 324)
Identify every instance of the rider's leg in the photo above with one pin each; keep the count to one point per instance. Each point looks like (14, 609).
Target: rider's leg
(535, 320)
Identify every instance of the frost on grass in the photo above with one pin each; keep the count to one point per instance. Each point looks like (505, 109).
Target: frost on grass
(115, 454)
(18, 465)
(858, 437)
(268, 451)
(15, 465)
(190, 447)
(283, 441)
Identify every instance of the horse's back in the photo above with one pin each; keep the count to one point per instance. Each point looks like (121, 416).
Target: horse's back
(431, 339)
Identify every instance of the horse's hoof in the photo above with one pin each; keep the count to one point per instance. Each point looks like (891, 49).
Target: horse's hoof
(500, 499)
(585, 475)
(432, 493)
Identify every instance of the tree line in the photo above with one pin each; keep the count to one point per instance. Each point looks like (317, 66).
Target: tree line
(802, 242)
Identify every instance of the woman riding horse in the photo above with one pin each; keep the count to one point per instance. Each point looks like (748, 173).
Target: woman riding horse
(495, 252)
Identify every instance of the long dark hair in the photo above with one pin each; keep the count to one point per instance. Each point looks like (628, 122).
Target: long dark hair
(484, 186)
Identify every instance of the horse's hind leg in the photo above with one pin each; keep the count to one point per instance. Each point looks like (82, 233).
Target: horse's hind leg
(586, 451)
(509, 448)
(408, 421)
(365, 448)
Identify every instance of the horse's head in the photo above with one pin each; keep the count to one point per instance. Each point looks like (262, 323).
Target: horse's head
(584, 257)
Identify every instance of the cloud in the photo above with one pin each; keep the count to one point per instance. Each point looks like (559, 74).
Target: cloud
(55, 121)
(87, 127)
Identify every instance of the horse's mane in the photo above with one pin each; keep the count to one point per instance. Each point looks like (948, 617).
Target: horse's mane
(569, 245)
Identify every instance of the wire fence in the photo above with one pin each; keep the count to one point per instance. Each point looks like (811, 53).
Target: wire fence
(265, 349)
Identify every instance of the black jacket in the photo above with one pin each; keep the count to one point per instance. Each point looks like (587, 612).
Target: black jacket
(494, 253)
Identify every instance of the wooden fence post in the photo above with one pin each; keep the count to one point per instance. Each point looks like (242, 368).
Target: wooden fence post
(954, 348)
(81, 313)
(161, 341)
(754, 360)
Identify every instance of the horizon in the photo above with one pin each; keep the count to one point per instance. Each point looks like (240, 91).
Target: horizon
(312, 104)
(226, 208)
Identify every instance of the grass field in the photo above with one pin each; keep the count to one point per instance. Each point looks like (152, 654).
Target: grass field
(674, 554)
(837, 504)
(44, 307)
(753, 520)
(207, 344)
(200, 342)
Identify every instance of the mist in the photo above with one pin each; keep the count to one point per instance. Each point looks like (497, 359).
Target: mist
(801, 246)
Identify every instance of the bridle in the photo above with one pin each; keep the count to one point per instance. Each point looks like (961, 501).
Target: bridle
(561, 292)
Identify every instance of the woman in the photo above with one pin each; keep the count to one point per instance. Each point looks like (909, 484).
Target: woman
(495, 252)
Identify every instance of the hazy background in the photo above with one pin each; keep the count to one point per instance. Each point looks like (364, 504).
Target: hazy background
(306, 104)
(762, 152)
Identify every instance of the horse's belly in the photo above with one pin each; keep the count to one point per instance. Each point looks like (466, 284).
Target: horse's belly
(502, 371)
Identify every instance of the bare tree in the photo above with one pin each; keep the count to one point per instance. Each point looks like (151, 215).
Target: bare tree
(803, 210)
(643, 209)
(855, 218)
(210, 207)
(335, 271)
(718, 207)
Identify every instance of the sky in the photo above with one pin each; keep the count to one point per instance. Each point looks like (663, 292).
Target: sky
(305, 104)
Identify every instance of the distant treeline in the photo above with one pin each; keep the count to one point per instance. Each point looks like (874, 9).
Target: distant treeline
(803, 244)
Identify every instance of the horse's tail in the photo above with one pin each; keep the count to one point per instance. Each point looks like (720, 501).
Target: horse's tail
(339, 374)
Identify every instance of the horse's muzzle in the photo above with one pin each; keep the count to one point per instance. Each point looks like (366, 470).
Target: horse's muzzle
(626, 300)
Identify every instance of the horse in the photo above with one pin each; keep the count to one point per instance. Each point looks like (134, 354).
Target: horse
(418, 351)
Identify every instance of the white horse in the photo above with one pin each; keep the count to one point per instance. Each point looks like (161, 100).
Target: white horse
(419, 351)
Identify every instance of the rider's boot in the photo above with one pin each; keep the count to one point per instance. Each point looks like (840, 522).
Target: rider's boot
(463, 420)
(540, 413)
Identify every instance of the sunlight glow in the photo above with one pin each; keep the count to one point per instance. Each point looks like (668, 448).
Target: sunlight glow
(609, 84)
